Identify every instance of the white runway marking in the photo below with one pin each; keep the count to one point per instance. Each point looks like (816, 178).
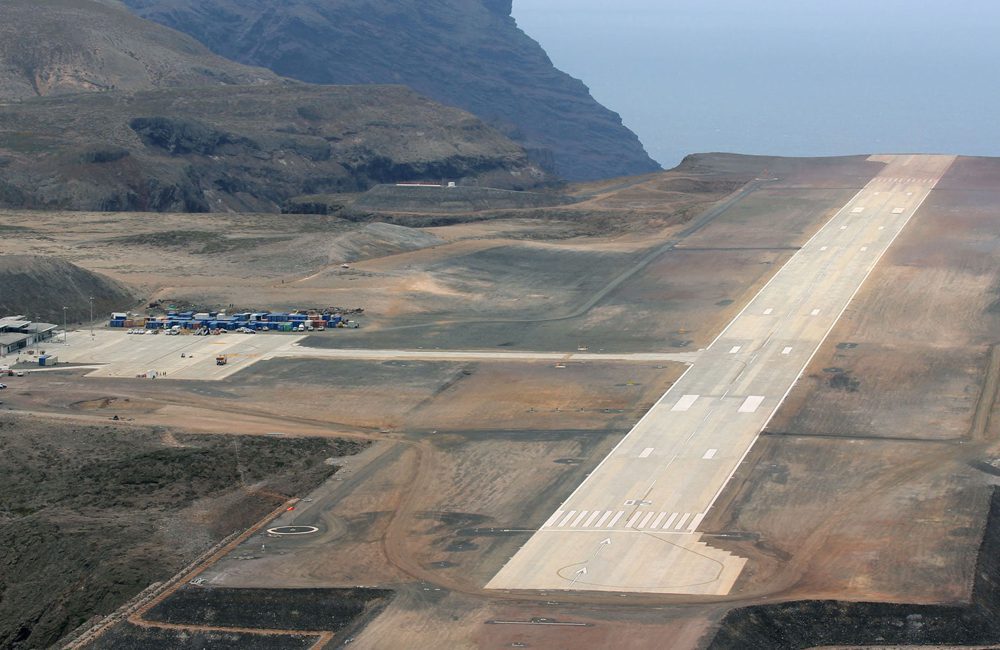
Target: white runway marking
(685, 402)
(659, 518)
(751, 404)
(864, 248)
(614, 520)
(576, 522)
(843, 227)
(568, 517)
(898, 210)
(735, 349)
(787, 350)
(814, 312)
(646, 452)
(680, 524)
(710, 454)
(823, 248)
(881, 227)
(591, 518)
(645, 520)
(604, 517)
(633, 519)
(552, 519)
(768, 311)
(669, 521)
(857, 210)
(695, 522)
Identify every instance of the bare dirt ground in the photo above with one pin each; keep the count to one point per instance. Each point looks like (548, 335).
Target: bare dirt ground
(865, 487)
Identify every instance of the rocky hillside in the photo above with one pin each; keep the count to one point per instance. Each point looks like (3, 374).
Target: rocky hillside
(65, 46)
(239, 148)
(38, 287)
(465, 53)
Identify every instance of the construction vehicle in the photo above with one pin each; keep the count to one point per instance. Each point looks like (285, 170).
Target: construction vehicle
(221, 360)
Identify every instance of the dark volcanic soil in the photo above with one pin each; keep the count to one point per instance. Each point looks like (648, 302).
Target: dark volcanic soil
(268, 609)
(131, 637)
(807, 624)
(91, 515)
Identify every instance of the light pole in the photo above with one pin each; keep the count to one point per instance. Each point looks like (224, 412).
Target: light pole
(64, 324)
(91, 317)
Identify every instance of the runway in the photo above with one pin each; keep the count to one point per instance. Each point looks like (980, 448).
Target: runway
(633, 524)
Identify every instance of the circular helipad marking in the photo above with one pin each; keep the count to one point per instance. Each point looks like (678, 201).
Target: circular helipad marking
(293, 530)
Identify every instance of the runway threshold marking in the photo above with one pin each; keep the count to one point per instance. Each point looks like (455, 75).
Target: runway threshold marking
(646, 452)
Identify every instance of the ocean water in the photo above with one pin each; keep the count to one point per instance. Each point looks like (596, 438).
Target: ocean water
(802, 78)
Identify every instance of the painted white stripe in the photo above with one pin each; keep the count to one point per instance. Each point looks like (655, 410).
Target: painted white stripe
(568, 517)
(881, 227)
(768, 311)
(552, 519)
(659, 518)
(695, 522)
(898, 210)
(823, 248)
(591, 518)
(710, 454)
(645, 520)
(864, 248)
(633, 519)
(735, 349)
(614, 520)
(680, 524)
(646, 452)
(857, 210)
(787, 350)
(685, 402)
(604, 517)
(576, 522)
(814, 312)
(669, 521)
(843, 227)
(751, 404)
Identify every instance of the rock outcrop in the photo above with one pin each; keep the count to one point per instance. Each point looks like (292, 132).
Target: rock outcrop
(465, 53)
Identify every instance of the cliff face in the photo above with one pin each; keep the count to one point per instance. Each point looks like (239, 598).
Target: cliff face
(466, 53)
(102, 110)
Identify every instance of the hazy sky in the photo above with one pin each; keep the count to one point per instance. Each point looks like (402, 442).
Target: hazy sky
(802, 77)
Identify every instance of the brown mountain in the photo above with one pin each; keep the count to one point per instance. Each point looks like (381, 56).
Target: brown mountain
(465, 53)
(64, 46)
(102, 110)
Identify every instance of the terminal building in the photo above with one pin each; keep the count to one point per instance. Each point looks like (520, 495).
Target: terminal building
(17, 333)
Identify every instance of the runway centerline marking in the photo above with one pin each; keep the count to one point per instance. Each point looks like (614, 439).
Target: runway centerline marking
(682, 426)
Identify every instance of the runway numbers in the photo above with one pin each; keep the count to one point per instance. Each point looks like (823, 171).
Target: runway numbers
(646, 452)
(710, 454)
(751, 404)
(685, 402)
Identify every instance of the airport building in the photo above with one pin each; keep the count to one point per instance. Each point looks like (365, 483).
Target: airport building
(17, 333)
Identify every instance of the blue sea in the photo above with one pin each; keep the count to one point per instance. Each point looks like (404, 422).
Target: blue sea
(802, 78)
